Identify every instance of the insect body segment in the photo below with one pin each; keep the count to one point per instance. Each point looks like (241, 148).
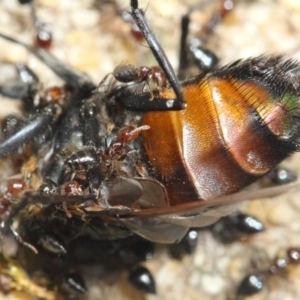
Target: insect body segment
(83, 159)
(201, 149)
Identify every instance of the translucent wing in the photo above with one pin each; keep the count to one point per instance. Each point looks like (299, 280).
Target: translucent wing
(169, 224)
(156, 229)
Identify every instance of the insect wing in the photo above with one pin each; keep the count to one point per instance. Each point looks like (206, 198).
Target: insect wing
(204, 213)
(156, 229)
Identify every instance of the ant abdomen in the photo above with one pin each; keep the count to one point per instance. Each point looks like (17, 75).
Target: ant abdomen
(83, 159)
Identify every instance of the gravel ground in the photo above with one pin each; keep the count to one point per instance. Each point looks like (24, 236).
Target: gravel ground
(95, 42)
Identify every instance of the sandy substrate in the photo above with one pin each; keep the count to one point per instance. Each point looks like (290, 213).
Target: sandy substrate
(95, 42)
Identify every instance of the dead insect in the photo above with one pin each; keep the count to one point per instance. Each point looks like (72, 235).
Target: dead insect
(139, 169)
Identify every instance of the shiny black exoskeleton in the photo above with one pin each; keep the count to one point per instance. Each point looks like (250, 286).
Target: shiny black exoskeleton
(142, 279)
(83, 159)
(236, 226)
(255, 282)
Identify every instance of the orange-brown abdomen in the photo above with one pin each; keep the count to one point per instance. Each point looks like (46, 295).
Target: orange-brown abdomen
(228, 136)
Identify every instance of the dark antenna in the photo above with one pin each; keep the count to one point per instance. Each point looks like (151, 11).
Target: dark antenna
(158, 52)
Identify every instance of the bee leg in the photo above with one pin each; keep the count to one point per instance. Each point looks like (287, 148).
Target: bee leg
(66, 128)
(135, 99)
(25, 88)
(193, 53)
(74, 78)
(139, 17)
(23, 2)
(18, 90)
(54, 170)
(38, 129)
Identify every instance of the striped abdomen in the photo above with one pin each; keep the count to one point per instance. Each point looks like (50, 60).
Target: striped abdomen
(240, 122)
